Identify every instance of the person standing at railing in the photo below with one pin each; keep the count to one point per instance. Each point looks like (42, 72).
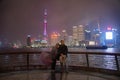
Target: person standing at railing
(54, 52)
(62, 54)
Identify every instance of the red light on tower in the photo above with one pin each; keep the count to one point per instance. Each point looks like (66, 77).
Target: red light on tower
(109, 28)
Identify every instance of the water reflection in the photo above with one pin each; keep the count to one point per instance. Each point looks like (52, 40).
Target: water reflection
(102, 61)
(108, 50)
(58, 76)
(47, 75)
(53, 77)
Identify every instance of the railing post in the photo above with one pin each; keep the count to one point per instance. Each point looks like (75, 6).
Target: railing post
(27, 61)
(87, 59)
(117, 64)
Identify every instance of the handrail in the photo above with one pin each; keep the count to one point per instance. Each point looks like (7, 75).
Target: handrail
(26, 60)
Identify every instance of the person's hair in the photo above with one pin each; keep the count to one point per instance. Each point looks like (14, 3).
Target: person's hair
(61, 40)
(57, 44)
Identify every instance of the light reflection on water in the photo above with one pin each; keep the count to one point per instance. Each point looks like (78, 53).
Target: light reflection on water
(103, 61)
(108, 50)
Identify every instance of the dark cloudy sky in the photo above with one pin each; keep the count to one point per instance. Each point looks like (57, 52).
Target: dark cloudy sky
(18, 18)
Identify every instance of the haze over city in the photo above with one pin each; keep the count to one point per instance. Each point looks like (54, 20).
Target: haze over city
(18, 18)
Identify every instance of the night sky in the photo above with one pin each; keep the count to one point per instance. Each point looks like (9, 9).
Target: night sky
(18, 18)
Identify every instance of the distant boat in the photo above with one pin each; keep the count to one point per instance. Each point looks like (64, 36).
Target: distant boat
(96, 47)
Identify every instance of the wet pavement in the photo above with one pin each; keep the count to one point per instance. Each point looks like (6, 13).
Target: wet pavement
(49, 75)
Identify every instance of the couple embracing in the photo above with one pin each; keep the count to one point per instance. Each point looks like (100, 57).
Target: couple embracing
(59, 52)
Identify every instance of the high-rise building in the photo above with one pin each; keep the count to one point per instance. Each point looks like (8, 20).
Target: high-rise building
(75, 33)
(64, 35)
(78, 34)
(29, 40)
(70, 41)
(87, 35)
(81, 35)
(54, 38)
(75, 36)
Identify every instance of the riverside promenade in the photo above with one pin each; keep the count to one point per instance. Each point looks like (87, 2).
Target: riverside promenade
(82, 64)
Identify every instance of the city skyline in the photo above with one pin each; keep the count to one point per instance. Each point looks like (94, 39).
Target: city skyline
(20, 18)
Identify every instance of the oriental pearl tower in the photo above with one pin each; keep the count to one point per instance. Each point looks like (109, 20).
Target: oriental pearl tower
(45, 36)
(45, 24)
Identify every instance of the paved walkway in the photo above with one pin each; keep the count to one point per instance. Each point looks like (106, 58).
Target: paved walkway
(48, 75)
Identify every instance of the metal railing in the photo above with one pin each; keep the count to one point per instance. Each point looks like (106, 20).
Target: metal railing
(93, 61)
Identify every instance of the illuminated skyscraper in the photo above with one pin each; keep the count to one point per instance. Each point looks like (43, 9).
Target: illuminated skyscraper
(64, 35)
(78, 34)
(81, 35)
(54, 38)
(75, 33)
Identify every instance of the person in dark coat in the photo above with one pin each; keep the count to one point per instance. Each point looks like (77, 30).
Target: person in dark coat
(54, 52)
(62, 53)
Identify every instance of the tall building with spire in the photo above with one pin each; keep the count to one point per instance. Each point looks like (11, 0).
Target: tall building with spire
(45, 24)
(44, 42)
